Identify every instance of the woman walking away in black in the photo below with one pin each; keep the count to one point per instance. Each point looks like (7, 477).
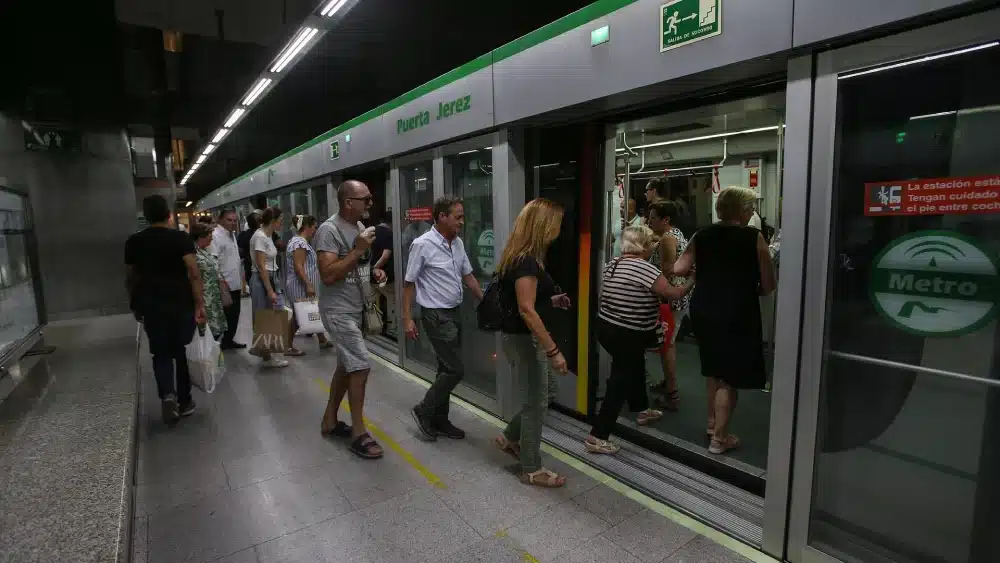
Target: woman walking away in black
(734, 268)
(627, 321)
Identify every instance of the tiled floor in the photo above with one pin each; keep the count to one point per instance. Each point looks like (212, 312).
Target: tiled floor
(248, 479)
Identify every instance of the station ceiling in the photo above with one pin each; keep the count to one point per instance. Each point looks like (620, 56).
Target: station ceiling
(379, 50)
(102, 64)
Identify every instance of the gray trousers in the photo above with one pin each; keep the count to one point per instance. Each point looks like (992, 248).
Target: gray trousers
(531, 374)
(444, 329)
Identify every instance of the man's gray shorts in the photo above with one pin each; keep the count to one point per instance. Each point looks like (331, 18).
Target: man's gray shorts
(348, 340)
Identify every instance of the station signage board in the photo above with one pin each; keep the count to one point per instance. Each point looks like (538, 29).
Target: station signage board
(419, 214)
(683, 22)
(334, 150)
(444, 110)
(936, 283)
(938, 196)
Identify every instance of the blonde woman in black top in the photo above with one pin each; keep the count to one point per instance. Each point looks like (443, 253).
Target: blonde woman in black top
(522, 274)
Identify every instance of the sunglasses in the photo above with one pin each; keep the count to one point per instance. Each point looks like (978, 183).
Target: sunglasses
(368, 199)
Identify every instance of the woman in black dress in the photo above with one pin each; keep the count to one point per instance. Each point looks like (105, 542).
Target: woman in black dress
(734, 269)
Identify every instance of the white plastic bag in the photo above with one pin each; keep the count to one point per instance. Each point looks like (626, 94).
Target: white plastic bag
(307, 315)
(205, 361)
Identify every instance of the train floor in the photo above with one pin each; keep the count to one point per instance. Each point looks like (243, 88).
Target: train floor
(249, 478)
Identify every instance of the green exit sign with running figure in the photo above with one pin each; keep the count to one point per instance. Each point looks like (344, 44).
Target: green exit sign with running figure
(685, 21)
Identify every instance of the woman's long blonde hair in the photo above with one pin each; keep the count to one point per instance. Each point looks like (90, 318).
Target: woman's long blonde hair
(536, 226)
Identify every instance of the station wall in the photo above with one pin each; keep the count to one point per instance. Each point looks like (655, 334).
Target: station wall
(84, 209)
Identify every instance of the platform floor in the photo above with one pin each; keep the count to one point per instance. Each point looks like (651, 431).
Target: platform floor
(248, 478)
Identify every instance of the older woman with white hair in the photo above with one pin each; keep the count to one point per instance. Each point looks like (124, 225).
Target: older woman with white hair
(734, 268)
(627, 321)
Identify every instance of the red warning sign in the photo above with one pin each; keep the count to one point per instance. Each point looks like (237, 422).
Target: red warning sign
(419, 214)
(937, 196)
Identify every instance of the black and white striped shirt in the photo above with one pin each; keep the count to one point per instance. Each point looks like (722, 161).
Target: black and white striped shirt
(627, 297)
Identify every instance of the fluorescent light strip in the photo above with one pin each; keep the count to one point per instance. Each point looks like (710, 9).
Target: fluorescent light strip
(220, 135)
(234, 117)
(930, 115)
(293, 49)
(920, 60)
(332, 8)
(209, 148)
(256, 91)
(201, 159)
(706, 137)
(189, 204)
(665, 170)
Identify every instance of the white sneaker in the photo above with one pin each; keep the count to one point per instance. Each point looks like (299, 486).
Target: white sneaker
(276, 363)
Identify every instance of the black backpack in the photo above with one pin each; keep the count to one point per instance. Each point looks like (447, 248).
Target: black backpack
(497, 310)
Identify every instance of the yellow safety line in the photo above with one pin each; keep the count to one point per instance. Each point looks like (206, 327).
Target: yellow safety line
(393, 445)
(644, 500)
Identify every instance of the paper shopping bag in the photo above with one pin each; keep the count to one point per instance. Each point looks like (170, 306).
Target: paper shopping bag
(270, 330)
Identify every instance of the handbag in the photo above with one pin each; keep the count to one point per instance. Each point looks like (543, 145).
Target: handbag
(205, 361)
(372, 317)
(308, 318)
(496, 310)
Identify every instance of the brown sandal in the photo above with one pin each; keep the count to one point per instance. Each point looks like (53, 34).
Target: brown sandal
(512, 449)
(648, 416)
(543, 478)
(730, 442)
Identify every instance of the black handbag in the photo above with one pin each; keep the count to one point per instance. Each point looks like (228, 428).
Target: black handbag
(497, 310)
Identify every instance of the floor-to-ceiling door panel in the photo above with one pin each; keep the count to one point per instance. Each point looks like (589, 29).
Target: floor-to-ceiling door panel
(897, 418)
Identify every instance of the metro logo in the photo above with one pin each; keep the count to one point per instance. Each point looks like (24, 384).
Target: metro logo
(936, 283)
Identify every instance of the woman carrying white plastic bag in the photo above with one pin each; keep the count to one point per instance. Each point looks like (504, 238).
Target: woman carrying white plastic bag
(205, 361)
(301, 280)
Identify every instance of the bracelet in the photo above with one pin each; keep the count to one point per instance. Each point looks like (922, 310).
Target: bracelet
(552, 353)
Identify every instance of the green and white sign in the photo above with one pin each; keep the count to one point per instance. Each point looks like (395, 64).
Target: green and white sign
(334, 150)
(686, 21)
(936, 283)
(485, 253)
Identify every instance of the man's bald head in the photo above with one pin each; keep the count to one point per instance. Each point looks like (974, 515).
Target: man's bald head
(350, 188)
(354, 199)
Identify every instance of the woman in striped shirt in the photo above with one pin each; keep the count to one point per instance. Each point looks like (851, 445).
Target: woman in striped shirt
(628, 316)
(302, 273)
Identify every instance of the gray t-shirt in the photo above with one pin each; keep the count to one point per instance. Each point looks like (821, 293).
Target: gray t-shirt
(346, 296)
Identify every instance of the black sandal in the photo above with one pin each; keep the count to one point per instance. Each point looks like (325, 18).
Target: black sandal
(364, 445)
(340, 430)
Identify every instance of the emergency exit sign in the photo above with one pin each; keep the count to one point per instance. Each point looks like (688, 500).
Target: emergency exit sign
(334, 150)
(685, 21)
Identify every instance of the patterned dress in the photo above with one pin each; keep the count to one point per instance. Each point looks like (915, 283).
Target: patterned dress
(295, 288)
(211, 290)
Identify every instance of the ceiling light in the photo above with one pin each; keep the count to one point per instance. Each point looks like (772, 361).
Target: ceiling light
(189, 204)
(234, 117)
(209, 148)
(184, 181)
(469, 152)
(707, 137)
(256, 91)
(332, 7)
(297, 44)
(219, 136)
(201, 159)
(920, 60)
(930, 115)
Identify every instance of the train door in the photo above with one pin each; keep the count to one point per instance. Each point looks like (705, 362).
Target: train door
(898, 433)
